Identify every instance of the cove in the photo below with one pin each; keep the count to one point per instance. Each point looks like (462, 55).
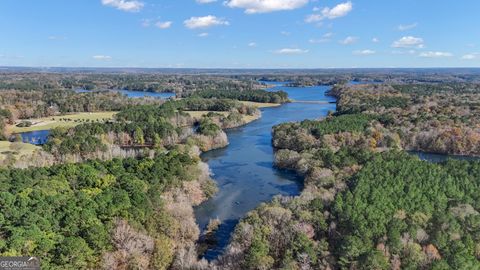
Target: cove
(244, 170)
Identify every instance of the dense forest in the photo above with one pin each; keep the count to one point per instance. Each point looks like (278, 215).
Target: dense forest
(150, 82)
(366, 203)
(247, 95)
(117, 214)
(430, 118)
(397, 212)
(36, 104)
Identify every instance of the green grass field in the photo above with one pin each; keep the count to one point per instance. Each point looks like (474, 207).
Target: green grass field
(69, 120)
(17, 149)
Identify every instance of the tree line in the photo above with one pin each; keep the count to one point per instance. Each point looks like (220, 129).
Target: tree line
(261, 96)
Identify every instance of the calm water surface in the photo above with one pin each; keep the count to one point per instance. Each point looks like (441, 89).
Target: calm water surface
(244, 170)
(35, 137)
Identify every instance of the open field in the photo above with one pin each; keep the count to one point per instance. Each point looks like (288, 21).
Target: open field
(69, 120)
(18, 149)
(260, 105)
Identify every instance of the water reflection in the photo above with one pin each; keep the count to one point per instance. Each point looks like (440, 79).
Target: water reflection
(244, 170)
(38, 137)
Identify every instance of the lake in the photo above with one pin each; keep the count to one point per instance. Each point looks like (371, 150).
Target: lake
(244, 170)
(38, 137)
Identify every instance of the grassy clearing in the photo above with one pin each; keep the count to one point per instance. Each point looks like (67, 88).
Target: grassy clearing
(260, 105)
(17, 149)
(69, 120)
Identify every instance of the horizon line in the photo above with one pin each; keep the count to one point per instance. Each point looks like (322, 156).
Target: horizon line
(232, 68)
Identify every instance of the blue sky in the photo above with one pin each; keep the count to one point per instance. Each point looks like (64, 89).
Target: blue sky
(240, 33)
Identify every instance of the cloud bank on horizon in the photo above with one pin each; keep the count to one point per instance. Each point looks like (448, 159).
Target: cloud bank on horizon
(241, 33)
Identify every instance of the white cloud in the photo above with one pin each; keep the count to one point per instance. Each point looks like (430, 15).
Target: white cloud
(290, 51)
(338, 11)
(471, 56)
(252, 44)
(164, 25)
(435, 54)
(406, 27)
(364, 52)
(265, 6)
(375, 40)
(102, 57)
(125, 5)
(409, 42)
(348, 40)
(202, 35)
(285, 33)
(205, 1)
(204, 22)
